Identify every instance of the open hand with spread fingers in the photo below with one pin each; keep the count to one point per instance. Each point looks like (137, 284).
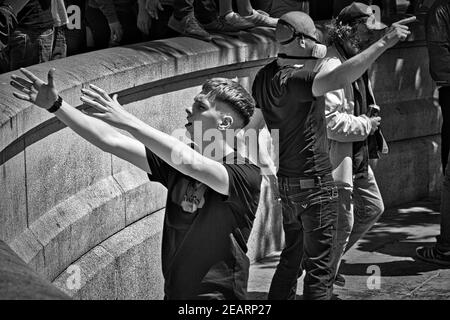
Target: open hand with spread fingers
(33, 89)
(106, 108)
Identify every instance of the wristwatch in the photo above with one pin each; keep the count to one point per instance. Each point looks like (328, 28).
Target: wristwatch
(55, 105)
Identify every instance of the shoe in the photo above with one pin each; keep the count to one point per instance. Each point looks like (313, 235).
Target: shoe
(261, 19)
(221, 26)
(433, 255)
(237, 21)
(190, 27)
(339, 280)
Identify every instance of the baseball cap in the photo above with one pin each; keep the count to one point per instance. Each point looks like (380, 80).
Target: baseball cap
(358, 10)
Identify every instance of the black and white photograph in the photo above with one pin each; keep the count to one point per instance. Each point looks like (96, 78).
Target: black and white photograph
(236, 151)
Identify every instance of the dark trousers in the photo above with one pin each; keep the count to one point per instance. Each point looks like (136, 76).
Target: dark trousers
(309, 223)
(101, 33)
(205, 10)
(443, 240)
(159, 29)
(29, 46)
(444, 102)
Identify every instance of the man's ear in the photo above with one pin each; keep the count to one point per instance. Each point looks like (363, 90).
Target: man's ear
(226, 123)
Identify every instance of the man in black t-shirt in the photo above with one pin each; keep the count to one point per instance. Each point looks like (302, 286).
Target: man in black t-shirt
(212, 198)
(287, 91)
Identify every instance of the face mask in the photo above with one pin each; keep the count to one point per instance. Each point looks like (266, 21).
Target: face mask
(319, 51)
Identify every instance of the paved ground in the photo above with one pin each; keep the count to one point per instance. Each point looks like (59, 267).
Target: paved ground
(390, 248)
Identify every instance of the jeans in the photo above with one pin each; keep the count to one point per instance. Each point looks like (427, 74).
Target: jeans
(59, 43)
(444, 102)
(205, 10)
(358, 212)
(30, 46)
(309, 223)
(280, 7)
(99, 26)
(443, 240)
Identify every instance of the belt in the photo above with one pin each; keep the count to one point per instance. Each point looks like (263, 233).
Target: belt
(305, 182)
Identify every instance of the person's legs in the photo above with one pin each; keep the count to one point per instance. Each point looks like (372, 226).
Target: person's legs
(185, 22)
(30, 46)
(284, 281)
(244, 7)
(128, 19)
(97, 23)
(281, 7)
(225, 7)
(443, 243)
(182, 8)
(444, 102)
(344, 227)
(228, 17)
(257, 18)
(159, 28)
(60, 44)
(319, 222)
(368, 206)
(440, 252)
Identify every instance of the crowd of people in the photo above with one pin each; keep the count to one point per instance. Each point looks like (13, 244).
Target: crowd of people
(39, 27)
(42, 28)
(317, 96)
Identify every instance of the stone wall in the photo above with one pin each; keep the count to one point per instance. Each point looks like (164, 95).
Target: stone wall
(65, 202)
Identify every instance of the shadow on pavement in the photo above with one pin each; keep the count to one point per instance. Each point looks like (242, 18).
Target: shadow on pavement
(255, 295)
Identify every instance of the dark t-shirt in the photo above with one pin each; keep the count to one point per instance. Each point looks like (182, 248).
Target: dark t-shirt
(284, 94)
(204, 252)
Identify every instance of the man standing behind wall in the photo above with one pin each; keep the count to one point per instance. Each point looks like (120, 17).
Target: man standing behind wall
(287, 92)
(353, 129)
(438, 35)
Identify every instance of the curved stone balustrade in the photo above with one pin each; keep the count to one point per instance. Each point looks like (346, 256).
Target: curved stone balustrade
(19, 281)
(65, 202)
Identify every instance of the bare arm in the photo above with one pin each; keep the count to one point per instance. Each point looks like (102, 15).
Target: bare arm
(93, 130)
(354, 68)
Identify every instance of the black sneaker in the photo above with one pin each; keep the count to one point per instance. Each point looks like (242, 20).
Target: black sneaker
(339, 280)
(433, 255)
(190, 27)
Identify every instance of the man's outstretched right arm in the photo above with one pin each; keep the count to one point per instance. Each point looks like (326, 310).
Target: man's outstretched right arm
(354, 68)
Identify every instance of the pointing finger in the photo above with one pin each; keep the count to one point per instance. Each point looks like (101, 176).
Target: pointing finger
(406, 20)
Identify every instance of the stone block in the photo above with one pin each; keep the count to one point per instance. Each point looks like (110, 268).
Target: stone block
(78, 224)
(60, 166)
(13, 202)
(137, 250)
(97, 277)
(406, 173)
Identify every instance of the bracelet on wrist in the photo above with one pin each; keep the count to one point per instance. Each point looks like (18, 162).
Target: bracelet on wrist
(55, 105)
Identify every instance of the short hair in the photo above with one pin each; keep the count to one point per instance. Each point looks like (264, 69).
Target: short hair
(232, 93)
